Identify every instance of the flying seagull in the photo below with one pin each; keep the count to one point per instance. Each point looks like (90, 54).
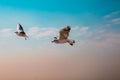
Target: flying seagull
(20, 31)
(63, 36)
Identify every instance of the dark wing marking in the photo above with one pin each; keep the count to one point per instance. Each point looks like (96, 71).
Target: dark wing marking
(20, 28)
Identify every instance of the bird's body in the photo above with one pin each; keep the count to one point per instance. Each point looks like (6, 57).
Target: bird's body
(60, 41)
(63, 37)
(20, 32)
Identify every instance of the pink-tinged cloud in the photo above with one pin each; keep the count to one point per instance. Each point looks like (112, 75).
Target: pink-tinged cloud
(108, 41)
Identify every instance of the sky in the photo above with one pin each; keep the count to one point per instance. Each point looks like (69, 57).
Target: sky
(95, 26)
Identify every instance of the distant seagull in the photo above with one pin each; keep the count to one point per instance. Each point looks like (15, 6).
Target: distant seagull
(63, 36)
(20, 32)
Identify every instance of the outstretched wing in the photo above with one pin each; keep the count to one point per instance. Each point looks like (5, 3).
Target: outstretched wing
(20, 28)
(64, 33)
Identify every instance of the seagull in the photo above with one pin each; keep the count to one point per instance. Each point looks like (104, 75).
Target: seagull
(20, 32)
(63, 37)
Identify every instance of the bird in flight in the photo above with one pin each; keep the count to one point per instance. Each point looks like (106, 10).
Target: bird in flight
(20, 31)
(63, 37)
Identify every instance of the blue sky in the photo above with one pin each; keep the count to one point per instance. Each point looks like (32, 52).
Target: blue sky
(95, 25)
(52, 11)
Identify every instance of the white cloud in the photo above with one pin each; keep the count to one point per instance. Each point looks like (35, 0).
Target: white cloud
(80, 31)
(84, 29)
(106, 40)
(45, 34)
(37, 32)
(41, 32)
(101, 31)
(111, 20)
(75, 28)
(33, 31)
(111, 14)
(7, 32)
(116, 21)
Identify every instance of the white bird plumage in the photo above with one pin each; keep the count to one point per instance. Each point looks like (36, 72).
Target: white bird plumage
(63, 36)
(20, 31)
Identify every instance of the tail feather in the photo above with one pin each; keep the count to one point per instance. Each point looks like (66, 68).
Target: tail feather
(26, 37)
(71, 42)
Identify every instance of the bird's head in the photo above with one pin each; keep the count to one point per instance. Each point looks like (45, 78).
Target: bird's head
(16, 32)
(54, 41)
(68, 28)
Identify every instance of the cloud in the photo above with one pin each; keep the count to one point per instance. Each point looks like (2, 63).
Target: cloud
(37, 32)
(42, 32)
(78, 31)
(75, 28)
(106, 40)
(84, 29)
(33, 31)
(112, 14)
(116, 21)
(111, 22)
(7, 32)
